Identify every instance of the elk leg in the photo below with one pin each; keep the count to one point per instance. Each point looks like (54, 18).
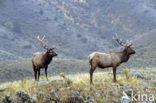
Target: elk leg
(38, 74)
(91, 74)
(114, 73)
(46, 72)
(35, 72)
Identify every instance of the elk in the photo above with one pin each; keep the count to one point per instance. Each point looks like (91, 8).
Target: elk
(42, 59)
(110, 59)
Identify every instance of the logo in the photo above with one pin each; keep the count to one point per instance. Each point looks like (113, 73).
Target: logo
(138, 97)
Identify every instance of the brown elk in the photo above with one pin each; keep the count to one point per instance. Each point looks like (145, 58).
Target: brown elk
(42, 59)
(110, 59)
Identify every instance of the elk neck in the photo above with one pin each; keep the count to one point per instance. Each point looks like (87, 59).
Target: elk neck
(125, 56)
(47, 58)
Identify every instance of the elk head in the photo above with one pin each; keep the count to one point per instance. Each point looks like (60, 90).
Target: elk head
(127, 45)
(50, 51)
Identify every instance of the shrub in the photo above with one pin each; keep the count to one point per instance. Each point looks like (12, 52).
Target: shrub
(125, 71)
(40, 96)
(7, 99)
(68, 81)
(23, 97)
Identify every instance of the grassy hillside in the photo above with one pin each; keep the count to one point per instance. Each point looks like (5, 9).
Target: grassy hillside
(19, 69)
(76, 89)
(16, 70)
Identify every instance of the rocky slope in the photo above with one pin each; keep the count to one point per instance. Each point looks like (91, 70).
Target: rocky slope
(77, 27)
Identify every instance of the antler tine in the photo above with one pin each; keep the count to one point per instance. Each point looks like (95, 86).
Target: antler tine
(116, 35)
(42, 42)
(38, 37)
(126, 43)
(43, 37)
(130, 44)
(119, 41)
(55, 46)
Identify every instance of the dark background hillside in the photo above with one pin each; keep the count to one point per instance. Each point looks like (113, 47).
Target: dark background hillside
(77, 27)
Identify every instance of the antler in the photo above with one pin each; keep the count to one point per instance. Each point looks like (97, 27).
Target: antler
(127, 44)
(56, 45)
(119, 41)
(42, 42)
(130, 44)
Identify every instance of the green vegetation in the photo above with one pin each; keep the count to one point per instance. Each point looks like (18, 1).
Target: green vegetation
(125, 71)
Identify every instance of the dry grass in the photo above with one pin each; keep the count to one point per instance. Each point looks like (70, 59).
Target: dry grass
(103, 90)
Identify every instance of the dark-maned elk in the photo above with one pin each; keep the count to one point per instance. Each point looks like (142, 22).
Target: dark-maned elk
(42, 59)
(110, 59)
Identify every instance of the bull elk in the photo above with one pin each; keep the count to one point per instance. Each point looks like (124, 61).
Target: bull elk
(110, 59)
(42, 59)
